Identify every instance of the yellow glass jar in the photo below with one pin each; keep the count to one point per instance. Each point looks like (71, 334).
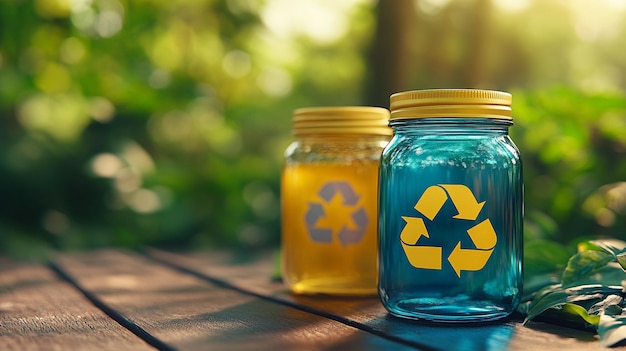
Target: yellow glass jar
(329, 196)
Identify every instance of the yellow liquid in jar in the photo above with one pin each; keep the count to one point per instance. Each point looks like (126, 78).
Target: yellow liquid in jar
(329, 227)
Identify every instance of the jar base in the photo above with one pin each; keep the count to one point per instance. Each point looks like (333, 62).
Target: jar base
(329, 286)
(439, 311)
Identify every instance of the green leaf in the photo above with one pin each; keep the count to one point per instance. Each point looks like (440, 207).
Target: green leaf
(611, 246)
(582, 312)
(621, 259)
(584, 263)
(611, 274)
(557, 296)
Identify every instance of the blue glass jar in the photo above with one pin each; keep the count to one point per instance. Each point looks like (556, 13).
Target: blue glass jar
(451, 207)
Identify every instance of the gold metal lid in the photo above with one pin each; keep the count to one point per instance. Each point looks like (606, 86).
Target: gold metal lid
(341, 120)
(451, 103)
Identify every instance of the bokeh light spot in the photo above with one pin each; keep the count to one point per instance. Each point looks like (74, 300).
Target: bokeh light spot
(72, 50)
(54, 79)
(52, 8)
(144, 201)
(236, 63)
(62, 116)
(101, 109)
(274, 81)
(322, 21)
(605, 217)
(55, 222)
(106, 165)
(108, 24)
(127, 180)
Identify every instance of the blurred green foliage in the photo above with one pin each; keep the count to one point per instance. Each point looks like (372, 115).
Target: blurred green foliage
(153, 122)
(573, 147)
(163, 123)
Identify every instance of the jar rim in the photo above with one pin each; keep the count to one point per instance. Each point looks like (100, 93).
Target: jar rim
(341, 120)
(451, 103)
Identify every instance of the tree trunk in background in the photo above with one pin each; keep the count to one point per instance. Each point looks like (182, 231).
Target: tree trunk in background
(476, 52)
(399, 53)
(391, 62)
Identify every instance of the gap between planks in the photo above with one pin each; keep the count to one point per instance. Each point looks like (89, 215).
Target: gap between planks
(111, 312)
(67, 274)
(227, 285)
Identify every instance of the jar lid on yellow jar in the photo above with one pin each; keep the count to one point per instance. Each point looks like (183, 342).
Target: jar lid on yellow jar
(451, 103)
(341, 120)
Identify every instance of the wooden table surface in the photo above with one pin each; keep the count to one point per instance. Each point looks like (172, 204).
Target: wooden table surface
(120, 300)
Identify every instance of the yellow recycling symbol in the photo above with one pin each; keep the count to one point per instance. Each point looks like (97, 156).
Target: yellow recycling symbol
(430, 257)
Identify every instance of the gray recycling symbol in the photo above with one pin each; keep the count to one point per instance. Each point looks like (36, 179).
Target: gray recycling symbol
(316, 212)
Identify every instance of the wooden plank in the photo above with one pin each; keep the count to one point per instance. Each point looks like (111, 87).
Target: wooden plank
(369, 314)
(39, 311)
(188, 313)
